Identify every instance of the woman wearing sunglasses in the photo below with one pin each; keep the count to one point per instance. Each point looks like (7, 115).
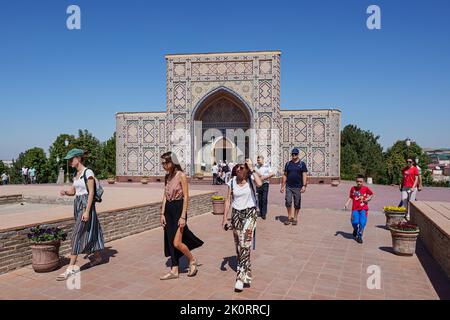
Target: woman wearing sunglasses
(242, 198)
(178, 239)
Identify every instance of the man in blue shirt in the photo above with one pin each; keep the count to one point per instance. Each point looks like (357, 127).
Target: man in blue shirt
(294, 182)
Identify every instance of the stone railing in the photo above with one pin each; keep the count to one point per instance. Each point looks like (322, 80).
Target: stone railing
(433, 219)
(15, 249)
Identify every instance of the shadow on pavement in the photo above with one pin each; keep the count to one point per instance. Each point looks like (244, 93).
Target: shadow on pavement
(231, 261)
(282, 219)
(345, 235)
(437, 276)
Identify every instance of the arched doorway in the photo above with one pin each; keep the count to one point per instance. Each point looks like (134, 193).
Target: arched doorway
(221, 122)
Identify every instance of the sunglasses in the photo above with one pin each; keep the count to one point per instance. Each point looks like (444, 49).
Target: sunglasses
(240, 167)
(294, 154)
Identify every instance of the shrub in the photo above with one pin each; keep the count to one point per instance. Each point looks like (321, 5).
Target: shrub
(39, 234)
(394, 209)
(405, 226)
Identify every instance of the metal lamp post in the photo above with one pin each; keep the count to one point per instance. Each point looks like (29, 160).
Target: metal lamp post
(66, 143)
(408, 144)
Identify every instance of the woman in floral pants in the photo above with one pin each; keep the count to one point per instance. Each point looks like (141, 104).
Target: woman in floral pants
(242, 198)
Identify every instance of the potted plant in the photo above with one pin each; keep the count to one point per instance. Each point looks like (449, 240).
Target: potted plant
(45, 247)
(394, 215)
(145, 180)
(199, 175)
(335, 182)
(218, 204)
(404, 237)
(111, 179)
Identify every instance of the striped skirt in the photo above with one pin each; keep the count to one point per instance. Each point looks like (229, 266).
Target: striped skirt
(87, 236)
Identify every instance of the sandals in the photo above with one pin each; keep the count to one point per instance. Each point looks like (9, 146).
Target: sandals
(289, 221)
(193, 268)
(66, 275)
(294, 222)
(169, 276)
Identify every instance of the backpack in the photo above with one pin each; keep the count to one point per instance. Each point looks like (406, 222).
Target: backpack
(98, 189)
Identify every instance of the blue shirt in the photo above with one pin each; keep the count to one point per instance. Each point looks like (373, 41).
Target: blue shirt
(294, 172)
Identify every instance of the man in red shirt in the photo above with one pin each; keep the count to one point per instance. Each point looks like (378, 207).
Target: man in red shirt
(409, 183)
(360, 195)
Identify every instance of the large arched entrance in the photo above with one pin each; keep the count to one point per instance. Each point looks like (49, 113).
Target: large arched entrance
(221, 122)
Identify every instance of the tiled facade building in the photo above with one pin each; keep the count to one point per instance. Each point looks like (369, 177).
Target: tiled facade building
(226, 106)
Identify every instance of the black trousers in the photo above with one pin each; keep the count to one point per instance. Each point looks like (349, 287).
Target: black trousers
(263, 194)
(172, 213)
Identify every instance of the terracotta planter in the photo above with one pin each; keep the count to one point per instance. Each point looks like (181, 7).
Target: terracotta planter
(218, 206)
(404, 242)
(144, 180)
(45, 255)
(394, 218)
(111, 180)
(335, 183)
(199, 176)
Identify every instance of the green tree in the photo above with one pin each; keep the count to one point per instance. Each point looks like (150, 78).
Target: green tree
(108, 158)
(92, 148)
(59, 150)
(2, 167)
(361, 153)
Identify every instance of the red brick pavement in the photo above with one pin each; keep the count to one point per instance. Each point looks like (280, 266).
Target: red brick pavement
(315, 260)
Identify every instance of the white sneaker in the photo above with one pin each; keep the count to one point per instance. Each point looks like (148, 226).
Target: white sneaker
(239, 286)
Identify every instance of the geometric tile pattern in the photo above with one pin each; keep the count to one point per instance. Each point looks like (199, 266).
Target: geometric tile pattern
(265, 66)
(317, 134)
(300, 130)
(150, 131)
(226, 68)
(319, 130)
(149, 160)
(132, 132)
(265, 94)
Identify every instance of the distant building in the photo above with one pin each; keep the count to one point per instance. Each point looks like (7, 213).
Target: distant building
(7, 163)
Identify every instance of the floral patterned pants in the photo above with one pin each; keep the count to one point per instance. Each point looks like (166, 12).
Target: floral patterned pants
(244, 224)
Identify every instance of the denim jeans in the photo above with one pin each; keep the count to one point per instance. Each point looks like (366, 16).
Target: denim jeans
(359, 220)
(263, 194)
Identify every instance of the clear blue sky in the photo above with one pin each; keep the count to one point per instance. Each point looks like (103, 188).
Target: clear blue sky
(395, 81)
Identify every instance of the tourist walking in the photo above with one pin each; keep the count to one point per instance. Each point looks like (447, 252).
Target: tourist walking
(410, 180)
(265, 173)
(360, 195)
(25, 175)
(294, 182)
(215, 172)
(241, 197)
(5, 178)
(87, 235)
(32, 175)
(178, 239)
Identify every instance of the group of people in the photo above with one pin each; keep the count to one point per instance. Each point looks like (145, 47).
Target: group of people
(221, 172)
(29, 175)
(246, 196)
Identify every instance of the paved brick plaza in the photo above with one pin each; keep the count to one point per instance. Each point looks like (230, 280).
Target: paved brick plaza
(315, 260)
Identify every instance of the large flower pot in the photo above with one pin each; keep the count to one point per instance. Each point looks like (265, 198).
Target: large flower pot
(393, 217)
(111, 180)
(45, 255)
(404, 242)
(144, 180)
(218, 206)
(335, 183)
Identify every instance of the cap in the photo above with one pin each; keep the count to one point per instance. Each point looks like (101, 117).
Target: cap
(295, 150)
(74, 153)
